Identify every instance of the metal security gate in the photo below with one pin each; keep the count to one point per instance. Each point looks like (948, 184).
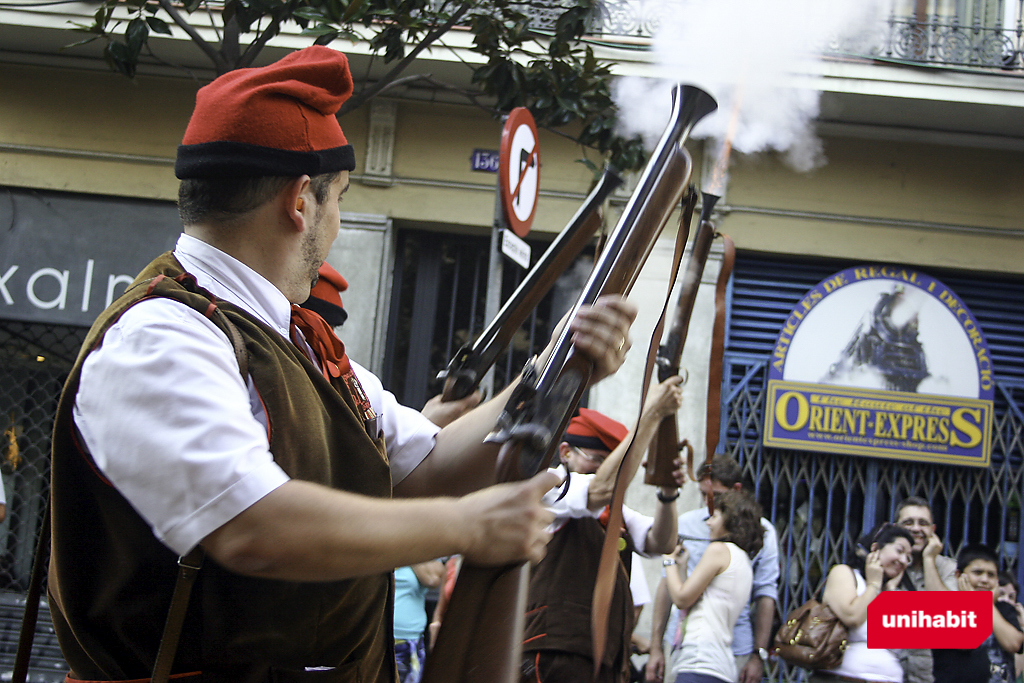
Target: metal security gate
(820, 503)
(438, 304)
(35, 359)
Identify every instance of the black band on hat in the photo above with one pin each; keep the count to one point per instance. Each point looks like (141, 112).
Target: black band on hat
(220, 158)
(585, 442)
(334, 315)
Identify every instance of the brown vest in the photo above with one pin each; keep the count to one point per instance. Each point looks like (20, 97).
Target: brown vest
(561, 591)
(111, 580)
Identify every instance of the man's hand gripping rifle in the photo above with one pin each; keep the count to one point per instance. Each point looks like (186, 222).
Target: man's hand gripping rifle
(480, 637)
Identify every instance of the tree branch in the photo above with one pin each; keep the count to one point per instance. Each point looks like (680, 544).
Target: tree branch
(473, 97)
(256, 46)
(229, 45)
(363, 96)
(207, 49)
(161, 60)
(213, 23)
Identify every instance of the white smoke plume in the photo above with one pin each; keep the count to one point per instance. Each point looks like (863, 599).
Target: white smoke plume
(758, 58)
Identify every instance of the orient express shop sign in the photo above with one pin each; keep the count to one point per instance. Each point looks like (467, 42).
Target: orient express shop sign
(882, 361)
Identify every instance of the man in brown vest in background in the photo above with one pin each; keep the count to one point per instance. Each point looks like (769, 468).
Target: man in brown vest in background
(208, 413)
(557, 643)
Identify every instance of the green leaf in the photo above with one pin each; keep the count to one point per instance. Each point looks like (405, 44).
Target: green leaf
(158, 25)
(310, 13)
(326, 38)
(136, 36)
(102, 15)
(192, 5)
(354, 8)
(318, 30)
(119, 58)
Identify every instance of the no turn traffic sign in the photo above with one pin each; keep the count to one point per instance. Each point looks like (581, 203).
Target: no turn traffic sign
(519, 170)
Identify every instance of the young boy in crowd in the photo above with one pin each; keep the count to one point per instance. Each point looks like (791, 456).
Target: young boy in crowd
(992, 662)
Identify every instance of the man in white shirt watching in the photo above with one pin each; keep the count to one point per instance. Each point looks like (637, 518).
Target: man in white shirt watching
(929, 570)
(198, 417)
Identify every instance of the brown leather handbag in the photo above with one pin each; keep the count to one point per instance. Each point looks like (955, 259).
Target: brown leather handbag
(812, 637)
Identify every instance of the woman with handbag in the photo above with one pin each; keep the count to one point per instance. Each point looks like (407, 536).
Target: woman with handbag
(716, 591)
(877, 564)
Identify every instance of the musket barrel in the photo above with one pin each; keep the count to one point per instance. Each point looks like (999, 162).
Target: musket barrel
(659, 189)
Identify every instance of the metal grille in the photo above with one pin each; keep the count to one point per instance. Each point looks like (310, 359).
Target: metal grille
(34, 361)
(438, 304)
(820, 502)
(969, 33)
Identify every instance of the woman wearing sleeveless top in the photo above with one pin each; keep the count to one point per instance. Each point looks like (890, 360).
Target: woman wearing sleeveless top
(716, 591)
(877, 564)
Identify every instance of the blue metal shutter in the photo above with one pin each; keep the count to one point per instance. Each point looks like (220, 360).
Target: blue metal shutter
(819, 502)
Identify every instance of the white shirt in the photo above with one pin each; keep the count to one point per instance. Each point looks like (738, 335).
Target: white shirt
(168, 420)
(574, 505)
(638, 585)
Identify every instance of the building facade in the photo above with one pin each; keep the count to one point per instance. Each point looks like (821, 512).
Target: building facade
(923, 171)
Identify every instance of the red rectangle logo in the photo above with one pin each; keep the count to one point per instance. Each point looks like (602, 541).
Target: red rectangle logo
(930, 619)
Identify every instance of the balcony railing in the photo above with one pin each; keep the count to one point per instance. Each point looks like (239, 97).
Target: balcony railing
(984, 34)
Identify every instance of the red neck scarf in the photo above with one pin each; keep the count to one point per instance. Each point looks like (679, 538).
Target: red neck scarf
(328, 349)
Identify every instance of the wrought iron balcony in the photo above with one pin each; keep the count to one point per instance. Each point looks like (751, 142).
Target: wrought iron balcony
(984, 34)
(956, 39)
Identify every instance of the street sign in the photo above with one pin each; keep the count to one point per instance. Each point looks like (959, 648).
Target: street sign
(484, 160)
(519, 170)
(515, 248)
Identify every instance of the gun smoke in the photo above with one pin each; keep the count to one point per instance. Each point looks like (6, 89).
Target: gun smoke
(761, 60)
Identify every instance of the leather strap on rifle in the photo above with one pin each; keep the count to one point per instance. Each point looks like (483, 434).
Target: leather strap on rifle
(35, 590)
(714, 411)
(686, 446)
(604, 586)
(188, 569)
(718, 349)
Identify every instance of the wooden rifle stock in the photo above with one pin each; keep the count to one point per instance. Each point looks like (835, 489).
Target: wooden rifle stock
(665, 446)
(467, 367)
(480, 636)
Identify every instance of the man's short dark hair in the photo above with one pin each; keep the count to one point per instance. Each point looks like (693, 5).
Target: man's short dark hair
(722, 469)
(975, 551)
(223, 199)
(914, 501)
